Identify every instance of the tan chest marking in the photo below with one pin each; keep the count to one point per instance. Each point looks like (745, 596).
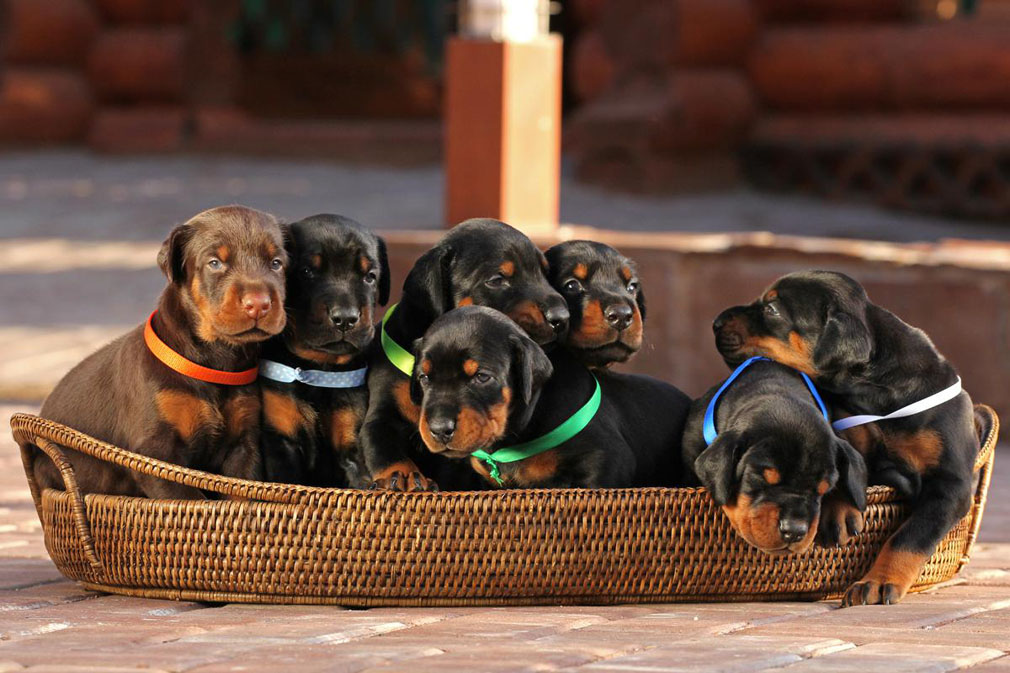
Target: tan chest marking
(344, 424)
(242, 414)
(285, 415)
(186, 413)
(406, 407)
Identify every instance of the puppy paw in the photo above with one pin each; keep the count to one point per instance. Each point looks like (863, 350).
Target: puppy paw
(872, 592)
(840, 522)
(404, 482)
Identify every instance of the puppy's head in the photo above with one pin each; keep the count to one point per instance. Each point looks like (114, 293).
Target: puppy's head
(485, 262)
(813, 321)
(227, 264)
(604, 297)
(770, 482)
(476, 375)
(338, 274)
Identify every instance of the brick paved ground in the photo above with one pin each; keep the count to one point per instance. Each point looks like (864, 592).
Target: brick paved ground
(80, 237)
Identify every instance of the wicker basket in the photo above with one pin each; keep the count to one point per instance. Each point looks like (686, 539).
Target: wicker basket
(275, 543)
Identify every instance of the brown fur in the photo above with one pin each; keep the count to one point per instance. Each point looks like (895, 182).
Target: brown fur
(538, 469)
(898, 568)
(320, 356)
(508, 269)
(772, 476)
(242, 414)
(796, 353)
(465, 301)
(581, 271)
(407, 408)
(920, 449)
(470, 367)
(838, 510)
(285, 414)
(185, 412)
(527, 315)
(344, 429)
(593, 329)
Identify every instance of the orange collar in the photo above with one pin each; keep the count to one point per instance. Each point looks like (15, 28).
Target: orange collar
(174, 361)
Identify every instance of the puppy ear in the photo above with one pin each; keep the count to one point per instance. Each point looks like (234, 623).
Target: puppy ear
(716, 466)
(171, 257)
(429, 283)
(416, 394)
(852, 473)
(530, 370)
(640, 300)
(384, 274)
(845, 342)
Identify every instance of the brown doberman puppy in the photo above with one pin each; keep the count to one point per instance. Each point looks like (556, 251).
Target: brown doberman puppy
(182, 387)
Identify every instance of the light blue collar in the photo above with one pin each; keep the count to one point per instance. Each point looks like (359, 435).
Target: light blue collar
(708, 426)
(275, 371)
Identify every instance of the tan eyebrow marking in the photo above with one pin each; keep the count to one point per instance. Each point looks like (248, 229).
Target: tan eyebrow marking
(507, 268)
(626, 274)
(580, 271)
(426, 366)
(470, 367)
(316, 261)
(772, 476)
(223, 252)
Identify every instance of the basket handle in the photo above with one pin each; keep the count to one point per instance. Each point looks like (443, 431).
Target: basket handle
(31, 429)
(76, 499)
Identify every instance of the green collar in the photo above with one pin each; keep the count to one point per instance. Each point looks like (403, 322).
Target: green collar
(397, 354)
(575, 424)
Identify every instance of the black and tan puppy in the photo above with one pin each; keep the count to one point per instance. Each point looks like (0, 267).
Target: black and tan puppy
(483, 262)
(605, 299)
(484, 386)
(313, 377)
(225, 296)
(774, 457)
(870, 362)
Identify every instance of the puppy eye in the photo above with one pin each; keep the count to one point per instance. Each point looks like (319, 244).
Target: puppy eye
(423, 379)
(215, 263)
(276, 264)
(497, 282)
(307, 272)
(633, 287)
(371, 277)
(481, 377)
(771, 309)
(573, 286)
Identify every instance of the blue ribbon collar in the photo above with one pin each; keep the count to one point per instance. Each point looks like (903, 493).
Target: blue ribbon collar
(708, 426)
(275, 371)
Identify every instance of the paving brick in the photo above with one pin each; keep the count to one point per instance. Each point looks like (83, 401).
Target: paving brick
(736, 654)
(23, 573)
(898, 658)
(1001, 665)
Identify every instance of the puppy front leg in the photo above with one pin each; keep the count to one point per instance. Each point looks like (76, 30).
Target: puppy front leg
(940, 505)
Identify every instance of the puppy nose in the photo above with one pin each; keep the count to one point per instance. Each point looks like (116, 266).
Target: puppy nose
(442, 428)
(256, 304)
(720, 320)
(619, 316)
(792, 530)
(344, 318)
(557, 317)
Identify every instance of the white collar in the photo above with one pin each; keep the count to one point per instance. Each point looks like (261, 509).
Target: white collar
(275, 371)
(934, 400)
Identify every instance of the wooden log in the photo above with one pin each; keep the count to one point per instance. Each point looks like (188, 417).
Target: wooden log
(139, 64)
(592, 68)
(47, 32)
(910, 130)
(137, 129)
(705, 110)
(942, 66)
(40, 106)
(662, 33)
(848, 11)
(144, 11)
(693, 110)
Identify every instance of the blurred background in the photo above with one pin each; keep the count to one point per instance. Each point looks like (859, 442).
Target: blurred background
(721, 143)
